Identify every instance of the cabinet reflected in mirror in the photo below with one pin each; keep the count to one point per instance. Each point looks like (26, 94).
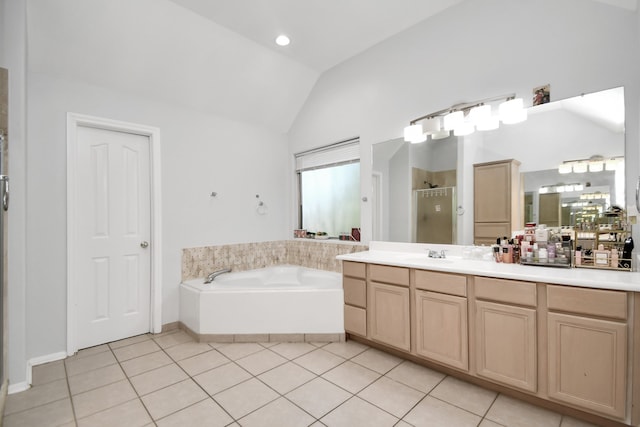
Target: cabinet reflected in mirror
(577, 128)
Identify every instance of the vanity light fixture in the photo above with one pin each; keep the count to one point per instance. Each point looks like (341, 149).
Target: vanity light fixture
(565, 167)
(453, 120)
(580, 167)
(413, 133)
(483, 118)
(465, 118)
(592, 164)
(560, 188)
(441, 134)
(465, 128)
(512, 111)
(613, 163)
(596, 164)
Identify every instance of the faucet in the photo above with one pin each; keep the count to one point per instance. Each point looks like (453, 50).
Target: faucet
(435, 254)
(215, 274)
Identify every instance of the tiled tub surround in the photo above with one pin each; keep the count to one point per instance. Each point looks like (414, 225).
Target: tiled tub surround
(196, 307)
(321, 255)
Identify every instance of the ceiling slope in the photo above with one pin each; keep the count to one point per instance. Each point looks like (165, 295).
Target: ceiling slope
(157, 49)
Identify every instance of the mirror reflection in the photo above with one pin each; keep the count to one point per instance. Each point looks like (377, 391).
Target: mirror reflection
(571, 155)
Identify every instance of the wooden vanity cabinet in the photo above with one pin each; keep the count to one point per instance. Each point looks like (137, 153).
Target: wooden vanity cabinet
(388, 312)
(441, 326)
(587, 348)
(497, 200)
(354, 283)
(492, 329)
(505, 332)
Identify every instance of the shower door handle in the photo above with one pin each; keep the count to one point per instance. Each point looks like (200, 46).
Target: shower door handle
(4, 179)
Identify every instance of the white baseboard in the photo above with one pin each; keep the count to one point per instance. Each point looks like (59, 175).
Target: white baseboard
(18, 387)
(25, 385)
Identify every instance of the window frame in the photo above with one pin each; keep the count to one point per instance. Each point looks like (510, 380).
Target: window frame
(332, 155)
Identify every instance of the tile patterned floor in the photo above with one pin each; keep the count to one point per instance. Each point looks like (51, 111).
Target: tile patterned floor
(170, 380)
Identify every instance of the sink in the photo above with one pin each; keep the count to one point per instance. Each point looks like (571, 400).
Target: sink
(423, 258)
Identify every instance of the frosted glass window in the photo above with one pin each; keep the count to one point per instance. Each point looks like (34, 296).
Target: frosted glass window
(330, 199)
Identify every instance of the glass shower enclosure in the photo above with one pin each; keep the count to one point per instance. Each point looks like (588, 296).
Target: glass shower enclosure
(435, 215)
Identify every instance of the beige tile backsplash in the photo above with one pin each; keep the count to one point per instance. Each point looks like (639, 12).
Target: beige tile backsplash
(198, 262)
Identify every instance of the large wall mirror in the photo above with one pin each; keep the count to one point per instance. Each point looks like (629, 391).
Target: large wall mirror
(424, 192)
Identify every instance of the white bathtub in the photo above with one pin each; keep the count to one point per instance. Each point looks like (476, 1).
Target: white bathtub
(274, 300)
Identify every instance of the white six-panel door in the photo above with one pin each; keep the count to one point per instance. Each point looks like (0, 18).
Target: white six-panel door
(113, 229)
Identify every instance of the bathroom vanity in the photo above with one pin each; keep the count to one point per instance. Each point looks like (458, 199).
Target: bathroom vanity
(567, 339)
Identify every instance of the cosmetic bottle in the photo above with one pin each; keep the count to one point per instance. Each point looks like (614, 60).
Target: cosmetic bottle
(551, 252)
(614, 257)
(535, 252)
(543, 255)
(601, 256)
(626, 253)
(507, 254)
(542, 233)
(516, 252)
(497, 253)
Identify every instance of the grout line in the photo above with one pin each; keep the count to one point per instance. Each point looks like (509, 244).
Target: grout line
(197, 384)
(131, 385)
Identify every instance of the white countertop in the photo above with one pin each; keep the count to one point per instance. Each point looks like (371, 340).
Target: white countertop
(414, 255)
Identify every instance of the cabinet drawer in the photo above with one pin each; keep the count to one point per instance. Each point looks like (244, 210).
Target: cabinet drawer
(596, 302)
(354, 269)
(355, 291)
(387, 274)
(355, 320)
(510, 291)
(441, 282)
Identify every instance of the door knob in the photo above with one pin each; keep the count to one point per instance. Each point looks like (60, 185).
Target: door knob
(144, 245)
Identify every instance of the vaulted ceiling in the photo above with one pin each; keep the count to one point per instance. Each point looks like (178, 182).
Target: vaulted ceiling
(217, 56)
(325, 33)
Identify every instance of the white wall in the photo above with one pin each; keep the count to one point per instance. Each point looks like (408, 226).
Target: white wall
(478, 49)
(201, 153)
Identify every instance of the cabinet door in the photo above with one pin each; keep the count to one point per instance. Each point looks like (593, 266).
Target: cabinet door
(355, 320)
(587, 363)
(441, 328)
(492, 192)
(506, 344)
(388, 315)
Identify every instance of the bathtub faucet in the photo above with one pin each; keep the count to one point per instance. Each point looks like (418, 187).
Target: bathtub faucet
(215, 274)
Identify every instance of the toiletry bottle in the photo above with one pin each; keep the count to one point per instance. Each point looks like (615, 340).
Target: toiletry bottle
(601, 256)
(524, 247)
(497, 253)
(626, 253)
(551, 252)
(535, 252)
(517, 252)
(614, 258)
(543, 255)
(507, 253)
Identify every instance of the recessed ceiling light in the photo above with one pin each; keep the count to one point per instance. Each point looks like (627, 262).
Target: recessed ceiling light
(282, 40)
